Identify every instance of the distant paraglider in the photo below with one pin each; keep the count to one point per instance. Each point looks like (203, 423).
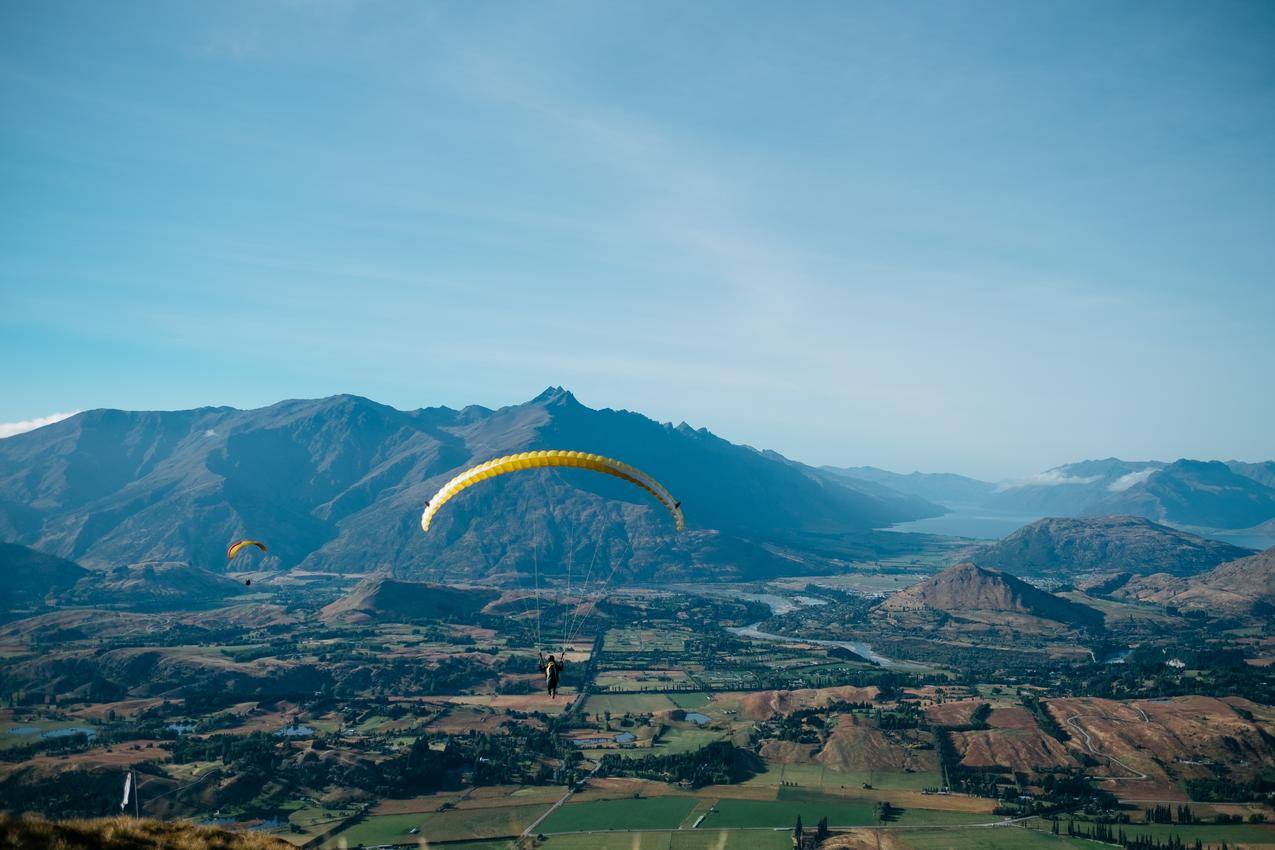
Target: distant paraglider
(237, 547)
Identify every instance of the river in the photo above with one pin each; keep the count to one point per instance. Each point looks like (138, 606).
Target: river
(784, 604)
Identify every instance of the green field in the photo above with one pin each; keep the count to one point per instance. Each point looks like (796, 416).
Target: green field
(452, 825)
(644, 813)
(679, 740)
(689, 700)
(816, 776)
(645, 640)
(312, 818)
(1007, 838)
(699, 839)
(379, 829)
(621, 704)
(812, 807)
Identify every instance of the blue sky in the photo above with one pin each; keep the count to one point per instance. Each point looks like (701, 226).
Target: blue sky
(987, 238)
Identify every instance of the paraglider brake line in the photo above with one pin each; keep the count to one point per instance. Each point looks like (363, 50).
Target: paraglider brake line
(572, 630)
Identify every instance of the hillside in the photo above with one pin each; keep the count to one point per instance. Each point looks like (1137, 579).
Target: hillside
(124, 833)
(1062, 546)
(170, 586)
(1071, 489)
(390, 600)
(32, 576)
(965, 588)
(1197, 493)
(338, 484)
(938, 487)
(1242, 586)
(1262, 473)
(1200, 494)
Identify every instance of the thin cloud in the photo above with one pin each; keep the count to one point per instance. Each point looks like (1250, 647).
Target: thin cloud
(1050, 478)
(9, 429)
(1124, 482)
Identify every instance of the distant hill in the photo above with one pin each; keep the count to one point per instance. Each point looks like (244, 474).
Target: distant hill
(1064, 546)
(966, 588)
(1197, 493)
(1242, 586)
(1071, 489)
(386, 599)
(163, 586)
(1262, 473)
(339, 483)
(945, 488)
(31, 576)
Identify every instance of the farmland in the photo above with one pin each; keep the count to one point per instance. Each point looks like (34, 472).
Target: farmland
(672, 731)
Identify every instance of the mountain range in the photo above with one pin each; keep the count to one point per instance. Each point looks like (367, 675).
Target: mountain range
(1191, 493)
(946, 488)
(1197, 494)
(338, 484)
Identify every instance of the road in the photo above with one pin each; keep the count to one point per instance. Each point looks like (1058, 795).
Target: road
(567, 796)
(1071, 721)
(996, 824)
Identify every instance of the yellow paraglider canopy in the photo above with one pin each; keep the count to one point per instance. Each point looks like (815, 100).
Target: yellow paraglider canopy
(551, 457)
(239, 545)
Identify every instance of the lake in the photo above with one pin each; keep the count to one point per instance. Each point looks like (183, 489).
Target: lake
(970, 521)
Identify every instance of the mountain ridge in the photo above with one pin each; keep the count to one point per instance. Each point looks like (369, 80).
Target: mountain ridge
(1243, 586)
(338, 484)
(940, 487)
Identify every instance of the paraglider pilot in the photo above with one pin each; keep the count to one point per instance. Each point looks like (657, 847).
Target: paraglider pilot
(552, 668)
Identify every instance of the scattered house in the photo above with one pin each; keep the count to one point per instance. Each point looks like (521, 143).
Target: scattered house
(593, 742)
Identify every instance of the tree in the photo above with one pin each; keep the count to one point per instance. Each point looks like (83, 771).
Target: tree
(797, 831)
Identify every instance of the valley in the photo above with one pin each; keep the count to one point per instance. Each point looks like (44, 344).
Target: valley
(353, 682)
(332, 711)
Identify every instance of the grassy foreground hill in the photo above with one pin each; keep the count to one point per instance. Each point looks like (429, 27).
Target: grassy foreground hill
(122, 833)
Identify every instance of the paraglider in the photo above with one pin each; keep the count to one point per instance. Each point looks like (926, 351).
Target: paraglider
(552, 670)
(237, 547)
(574, 618)
(550, 458)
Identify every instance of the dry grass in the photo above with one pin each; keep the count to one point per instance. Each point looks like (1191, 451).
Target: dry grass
(121, 833)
